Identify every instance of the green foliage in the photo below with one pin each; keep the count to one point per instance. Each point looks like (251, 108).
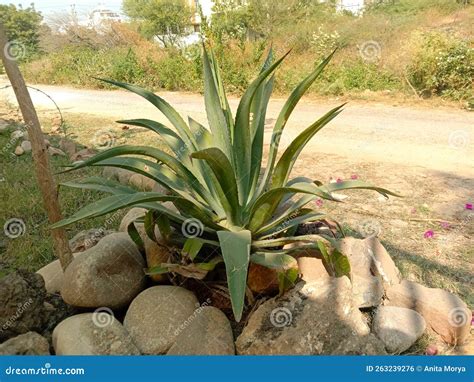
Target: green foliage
(23, 28)
(444, 66)
(213, 179)
(163, 19)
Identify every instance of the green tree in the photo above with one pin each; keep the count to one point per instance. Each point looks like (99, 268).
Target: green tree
(230, 20)
(166, 20)
(23, 29)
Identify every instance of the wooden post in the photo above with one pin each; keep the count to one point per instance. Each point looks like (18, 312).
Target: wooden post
(39, 151)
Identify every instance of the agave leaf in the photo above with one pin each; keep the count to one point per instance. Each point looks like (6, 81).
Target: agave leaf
(242, 140)
(306, 216)
(192, 246)
(214, 109)
(97, 183)
(164, 226)
(173, 140)
(235, 248)
(169, 112)
(287, 160)
(113, 203)
(262, 209)
(287, 280)
(211, 264)
(149, 224)
(135, 236)
(279, 262)
(224, 173)
(356, 184)
(283, 117)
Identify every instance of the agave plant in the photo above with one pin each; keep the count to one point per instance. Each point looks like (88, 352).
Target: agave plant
(213, 176)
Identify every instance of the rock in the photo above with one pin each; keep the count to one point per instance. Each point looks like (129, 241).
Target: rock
(208, 333)
(22, 308)
(97, 333)
(141, 182)
(444, 312)
(398, 328)
(19, 151)
(312, 318)
(17, 134)
(155, 316)
(87, 239)
(123, 176)
(68, 146)
(371, 269)
(4, 125)
(53, 151)
(56, 311)
(110, 172)
(265, 280)
(53, 274)
(47, 143)
(159, 188)
(26, 146)
(30, 343)
(82, 155)
(312, 269)
(110, 274)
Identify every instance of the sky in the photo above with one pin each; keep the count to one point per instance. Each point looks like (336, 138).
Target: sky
(51, 6)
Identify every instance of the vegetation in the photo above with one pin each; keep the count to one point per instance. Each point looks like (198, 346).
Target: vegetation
(213, 180)
(383, 51)
(23, 30)
(165, 20)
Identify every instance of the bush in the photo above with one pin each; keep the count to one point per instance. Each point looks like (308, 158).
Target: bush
(443, 65)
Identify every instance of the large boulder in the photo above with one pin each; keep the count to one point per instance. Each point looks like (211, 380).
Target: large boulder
(157, 315)
(313, 318)
(263, 280)
(30, 343)
(444, 312)
(22, 309)
(372, 269)
(208, 333)
(97, 333)
(398, 328)
(109, 275)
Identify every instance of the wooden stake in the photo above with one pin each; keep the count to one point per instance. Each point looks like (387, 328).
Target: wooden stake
(38, 149)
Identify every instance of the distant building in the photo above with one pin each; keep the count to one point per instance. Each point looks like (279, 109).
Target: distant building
(102, 15)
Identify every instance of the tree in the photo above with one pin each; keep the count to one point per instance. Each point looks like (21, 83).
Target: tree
(22, 28)
(165, 20)
(230, 19)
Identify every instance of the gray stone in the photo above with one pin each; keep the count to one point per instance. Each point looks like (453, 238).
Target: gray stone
(208, 333)
(398, 328)
(141, 182)
(110, 274)
(156, 315)
(444, 312)
(30, 343)
(53, 151)
(17, 134)
(312, 318)
(22, 308)
(371, 269)
(97, 333)
(53, 274)
(26, 146)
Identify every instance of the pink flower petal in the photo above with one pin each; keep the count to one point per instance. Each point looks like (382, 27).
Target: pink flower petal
(354, 176)
(339, 180)
(319, 202)
(428, 234)
(468, 206)
(444, 225)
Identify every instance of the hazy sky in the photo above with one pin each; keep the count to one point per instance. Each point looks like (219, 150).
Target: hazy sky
(51, 6)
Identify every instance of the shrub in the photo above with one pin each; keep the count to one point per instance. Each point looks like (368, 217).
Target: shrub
(443, 65)
(214, 180)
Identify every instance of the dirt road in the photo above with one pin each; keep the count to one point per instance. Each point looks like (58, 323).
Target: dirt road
(440, 140)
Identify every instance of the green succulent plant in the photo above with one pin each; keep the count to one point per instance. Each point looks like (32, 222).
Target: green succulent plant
(213, 178)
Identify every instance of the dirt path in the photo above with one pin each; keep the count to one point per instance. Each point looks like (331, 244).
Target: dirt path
(440, 140)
